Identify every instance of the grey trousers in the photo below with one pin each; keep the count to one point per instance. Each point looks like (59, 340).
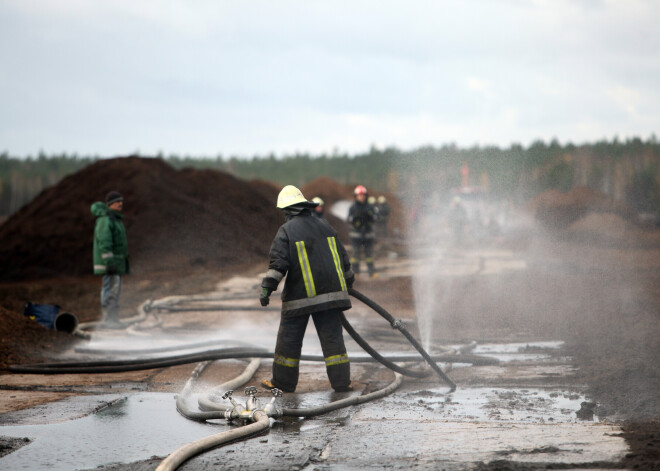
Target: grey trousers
(110, 292)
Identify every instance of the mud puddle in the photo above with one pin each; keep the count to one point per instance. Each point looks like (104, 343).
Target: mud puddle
(132, 428)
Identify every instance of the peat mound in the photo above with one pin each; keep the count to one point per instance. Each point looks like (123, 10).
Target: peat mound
(268, 190)
(328, 190)
(604, 228)
(557, 211)
(23, 340)
(173, 218)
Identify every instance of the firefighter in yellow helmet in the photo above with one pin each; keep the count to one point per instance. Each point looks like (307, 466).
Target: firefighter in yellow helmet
(318, 275)
(384, 210)
(320, 208)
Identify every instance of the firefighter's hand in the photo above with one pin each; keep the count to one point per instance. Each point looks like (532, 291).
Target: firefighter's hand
(350, 281)
(264, 299)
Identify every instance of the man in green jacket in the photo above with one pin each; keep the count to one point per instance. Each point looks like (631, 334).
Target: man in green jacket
(110, 253)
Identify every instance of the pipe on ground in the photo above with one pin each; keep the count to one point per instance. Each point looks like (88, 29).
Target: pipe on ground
(349, 401)
(210, 409)
(172, 462)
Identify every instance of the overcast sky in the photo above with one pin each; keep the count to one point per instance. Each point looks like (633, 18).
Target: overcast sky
(249, 77)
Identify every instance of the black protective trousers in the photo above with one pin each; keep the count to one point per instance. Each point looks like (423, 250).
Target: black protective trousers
(362, 246)
(289, 347)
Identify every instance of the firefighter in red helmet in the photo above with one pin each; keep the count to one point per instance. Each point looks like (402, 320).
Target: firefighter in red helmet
(361, 217)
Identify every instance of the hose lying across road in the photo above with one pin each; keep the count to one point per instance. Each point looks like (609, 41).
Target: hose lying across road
(117, 366)
(172, 462)
(114, 366)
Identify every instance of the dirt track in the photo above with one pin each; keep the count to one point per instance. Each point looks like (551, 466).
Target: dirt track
(603, 302)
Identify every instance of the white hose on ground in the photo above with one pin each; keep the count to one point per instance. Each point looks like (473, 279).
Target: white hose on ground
(207, 399)
(349, 401)
(81, 330)
(186, 452)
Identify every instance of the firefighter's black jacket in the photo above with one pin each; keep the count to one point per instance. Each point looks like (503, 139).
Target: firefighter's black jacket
(361, 217)
(318, 272)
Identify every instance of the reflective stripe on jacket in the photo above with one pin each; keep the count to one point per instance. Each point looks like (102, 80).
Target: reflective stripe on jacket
(316, 265)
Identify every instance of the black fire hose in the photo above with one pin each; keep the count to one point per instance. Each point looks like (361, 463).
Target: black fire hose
(377, 356)
(112, 366)
(396, 324)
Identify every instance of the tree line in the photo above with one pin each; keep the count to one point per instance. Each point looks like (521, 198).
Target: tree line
(627, 170)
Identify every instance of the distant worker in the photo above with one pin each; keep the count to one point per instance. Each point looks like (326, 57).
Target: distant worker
(384, 211)
(318, 275)
(320, 208)
(362, 217)
(458, 218)
(110, 253)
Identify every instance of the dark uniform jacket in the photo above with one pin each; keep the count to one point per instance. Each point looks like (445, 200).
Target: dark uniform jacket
(316, 265)
(110, 243)
(361, 217)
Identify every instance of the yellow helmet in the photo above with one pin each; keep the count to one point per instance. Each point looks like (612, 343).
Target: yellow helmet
(318, 200)
(371, 200)
(382, 199)
(290, 195)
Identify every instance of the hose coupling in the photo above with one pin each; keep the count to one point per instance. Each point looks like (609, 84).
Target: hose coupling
(397, 324)
(252, 402)
(227, 395)
(272, 409)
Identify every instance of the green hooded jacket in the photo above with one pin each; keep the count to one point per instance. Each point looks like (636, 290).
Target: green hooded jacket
(110, 243)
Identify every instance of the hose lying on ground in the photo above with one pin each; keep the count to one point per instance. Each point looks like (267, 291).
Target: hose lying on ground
(349, 401)
(166, 303)
(396, 324)
(211, 412)
(216, 411)
(173, 461)
(117, 366)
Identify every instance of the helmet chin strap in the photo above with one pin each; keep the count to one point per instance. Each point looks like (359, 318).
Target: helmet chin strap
(294, 210)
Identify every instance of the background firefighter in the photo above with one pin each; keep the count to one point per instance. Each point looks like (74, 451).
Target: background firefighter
(320, 208)
(362, 217)
(384, 210)
(318, 274)
(110, 253)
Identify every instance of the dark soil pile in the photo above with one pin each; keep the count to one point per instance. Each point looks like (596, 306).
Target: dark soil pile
(37, 342)
(173, 219)
(327, 189)
(557, 211)
(268, 190)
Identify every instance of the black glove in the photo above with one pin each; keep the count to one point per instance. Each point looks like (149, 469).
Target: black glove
(350, 281)
(264, 299)
(111, 270)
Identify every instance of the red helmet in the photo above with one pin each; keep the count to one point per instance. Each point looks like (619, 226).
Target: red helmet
(360, 190)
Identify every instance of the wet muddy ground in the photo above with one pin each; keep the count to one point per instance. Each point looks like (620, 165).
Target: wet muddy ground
(531, 410)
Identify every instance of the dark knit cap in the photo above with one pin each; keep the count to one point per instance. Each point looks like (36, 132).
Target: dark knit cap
(113, 197)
